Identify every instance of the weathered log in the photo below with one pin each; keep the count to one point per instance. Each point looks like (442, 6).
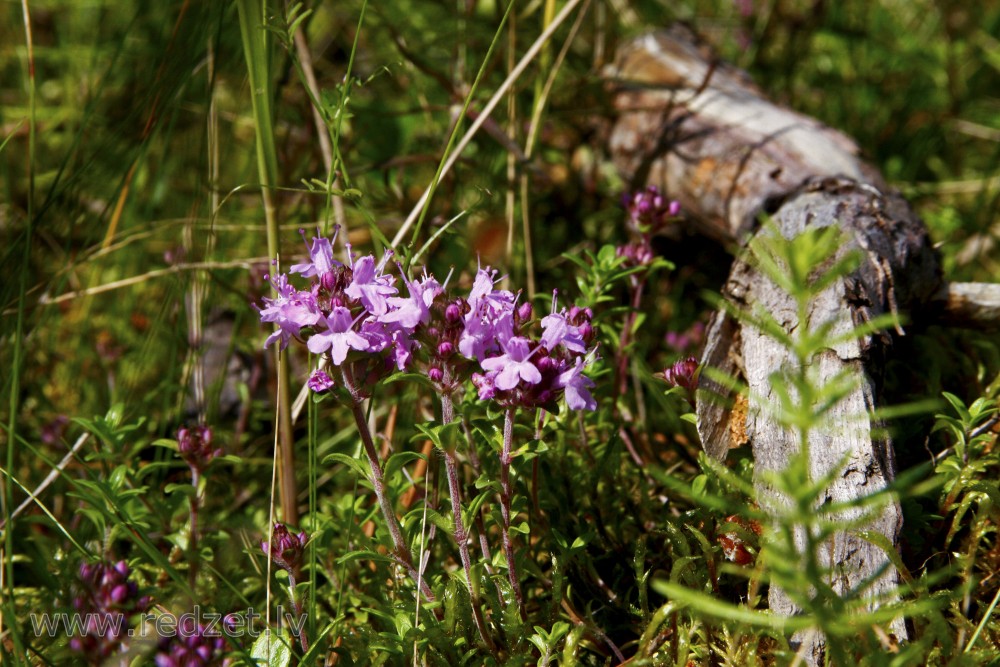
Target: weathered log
(702, 132)
(972, 305)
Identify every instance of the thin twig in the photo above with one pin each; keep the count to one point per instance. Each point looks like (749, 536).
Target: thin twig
(51, 477)
(46, 300)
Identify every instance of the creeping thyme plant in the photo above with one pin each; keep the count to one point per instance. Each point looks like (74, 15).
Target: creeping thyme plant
(353, 316)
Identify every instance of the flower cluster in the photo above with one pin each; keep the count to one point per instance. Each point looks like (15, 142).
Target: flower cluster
(347, 308)
(648, 209)
(192, 646)
(356, 316)
(195, 446)
(683, 373)
(522, 371)
(285, 549)
(106, 600)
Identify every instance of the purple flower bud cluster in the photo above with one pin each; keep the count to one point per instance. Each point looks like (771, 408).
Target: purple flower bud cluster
(639, 253)
(356, 313)
(191, 646)
(195, 446)
(285, 549)
(683, 373)
(105, 601)
(648, 209)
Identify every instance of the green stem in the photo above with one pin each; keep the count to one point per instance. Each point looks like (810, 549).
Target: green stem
(461, 537)
(400, 548)
(257, 49)
(193, 538)
(506, 496)
(15, 371)
(297, 607)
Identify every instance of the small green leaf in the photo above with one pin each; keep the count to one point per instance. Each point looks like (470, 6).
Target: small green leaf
(272, 649)
(698, 485)
(348, 461)
(183, 489)
(398, 460)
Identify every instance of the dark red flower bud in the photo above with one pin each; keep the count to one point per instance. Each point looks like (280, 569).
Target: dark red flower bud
(684, 373)
(195, 446)
(285, 549)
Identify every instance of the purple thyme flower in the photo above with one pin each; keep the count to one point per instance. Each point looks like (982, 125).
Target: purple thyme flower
(338, 337)
(490, 318)
(636, 254)
(557, 330)
(648, 208)
(320, 382)
(484, 385)
(291, 311)
(576, 386)
(513, 365)
(370, 286)
(378, 335)
(682, 340)
(321, 256)
(402, 348)
(285, 549)
(415, 309)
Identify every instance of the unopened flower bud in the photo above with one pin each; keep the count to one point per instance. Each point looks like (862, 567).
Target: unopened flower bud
(195, 446)
(435, 374)
(119, 593)
(684, 373)
(452, 313)
(445, 349)
(524, 312)
(285, 549)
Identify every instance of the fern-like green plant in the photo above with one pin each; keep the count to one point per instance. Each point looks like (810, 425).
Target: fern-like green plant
(792, 504)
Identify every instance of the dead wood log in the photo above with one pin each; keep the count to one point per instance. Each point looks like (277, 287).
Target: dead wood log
(702, 132)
